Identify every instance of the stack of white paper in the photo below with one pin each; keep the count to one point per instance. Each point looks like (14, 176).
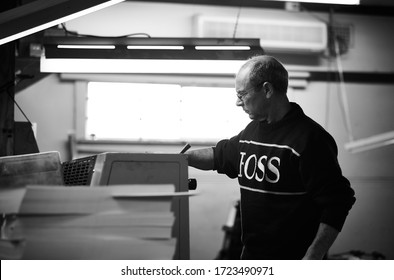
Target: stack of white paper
(112, 222)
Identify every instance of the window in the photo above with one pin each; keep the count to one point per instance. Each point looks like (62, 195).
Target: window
(162, 112)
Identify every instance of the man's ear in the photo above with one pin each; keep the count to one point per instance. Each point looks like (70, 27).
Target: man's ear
(268, 89)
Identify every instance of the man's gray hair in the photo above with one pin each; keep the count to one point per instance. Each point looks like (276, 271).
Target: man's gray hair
(265, 68)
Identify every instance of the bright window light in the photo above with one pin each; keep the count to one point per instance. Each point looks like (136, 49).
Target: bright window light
(161, 112)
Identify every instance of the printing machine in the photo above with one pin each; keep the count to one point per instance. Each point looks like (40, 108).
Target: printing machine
(103, 170)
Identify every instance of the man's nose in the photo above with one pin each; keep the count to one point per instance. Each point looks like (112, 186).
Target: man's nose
(239, 102)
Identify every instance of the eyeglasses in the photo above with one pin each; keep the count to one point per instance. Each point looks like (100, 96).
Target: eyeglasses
(241, 95)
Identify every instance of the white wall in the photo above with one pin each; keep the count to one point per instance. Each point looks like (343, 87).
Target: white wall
(50, 104)
(369, 226)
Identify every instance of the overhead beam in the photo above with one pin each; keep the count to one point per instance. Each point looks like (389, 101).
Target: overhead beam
(42, 14)
(367, 7)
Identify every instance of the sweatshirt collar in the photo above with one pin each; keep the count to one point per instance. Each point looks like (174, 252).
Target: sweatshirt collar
(294, 112)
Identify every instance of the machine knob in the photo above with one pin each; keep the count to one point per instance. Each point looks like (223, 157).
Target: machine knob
(192, 184)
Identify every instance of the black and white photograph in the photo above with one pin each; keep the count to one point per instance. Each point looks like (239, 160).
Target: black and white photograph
(231, 132)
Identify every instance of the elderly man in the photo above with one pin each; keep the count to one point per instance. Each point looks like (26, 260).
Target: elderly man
(294, 198)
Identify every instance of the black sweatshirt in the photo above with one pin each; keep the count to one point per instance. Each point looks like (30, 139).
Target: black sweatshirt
(290, 182)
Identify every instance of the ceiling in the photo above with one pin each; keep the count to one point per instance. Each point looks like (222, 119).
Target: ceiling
(260, 2)
(369, 7)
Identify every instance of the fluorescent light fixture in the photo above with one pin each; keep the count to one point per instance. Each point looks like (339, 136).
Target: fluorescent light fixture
(339, 2)
(147, 55)
(164, 66)
(369, 143)
(90, 47)
(155, 47)
(42, 14)
(228, 48)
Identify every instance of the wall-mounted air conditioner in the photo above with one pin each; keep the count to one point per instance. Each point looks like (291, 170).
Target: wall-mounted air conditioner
(276, 35)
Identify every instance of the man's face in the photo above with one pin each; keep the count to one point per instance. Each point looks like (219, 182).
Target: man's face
(253, 102)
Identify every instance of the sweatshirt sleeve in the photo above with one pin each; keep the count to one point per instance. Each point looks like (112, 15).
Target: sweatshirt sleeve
(323, 178)
(226, 156)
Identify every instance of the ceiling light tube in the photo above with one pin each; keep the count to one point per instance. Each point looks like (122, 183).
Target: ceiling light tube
(136, 47)
(95, 47)
(227, 48)
(164, 66)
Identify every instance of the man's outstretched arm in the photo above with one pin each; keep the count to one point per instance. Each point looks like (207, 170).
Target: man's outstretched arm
(201, 158)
